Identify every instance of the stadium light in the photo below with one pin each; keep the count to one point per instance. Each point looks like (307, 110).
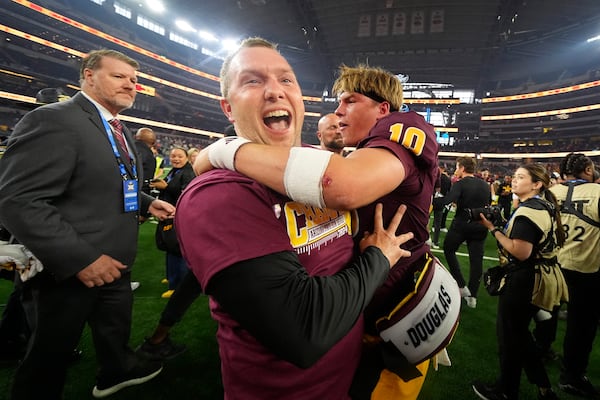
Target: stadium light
(593, 39)
(155, 5)
(184, 26)
(209, 37)
(229, 45)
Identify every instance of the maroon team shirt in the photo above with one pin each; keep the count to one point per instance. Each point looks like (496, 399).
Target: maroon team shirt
(410, 138)
(224, 218)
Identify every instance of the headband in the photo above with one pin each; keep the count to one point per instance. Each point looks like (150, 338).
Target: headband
(374, 96)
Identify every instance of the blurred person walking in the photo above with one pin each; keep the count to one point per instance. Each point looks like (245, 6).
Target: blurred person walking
(468, 193)
(440, 211)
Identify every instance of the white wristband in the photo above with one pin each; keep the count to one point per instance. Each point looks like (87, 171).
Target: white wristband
(303, 175)
(221, 154)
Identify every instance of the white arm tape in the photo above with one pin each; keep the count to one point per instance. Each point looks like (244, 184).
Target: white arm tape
(303, 175)
(221, 154)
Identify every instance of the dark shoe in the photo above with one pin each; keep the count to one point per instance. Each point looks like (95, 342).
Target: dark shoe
(75, 356)
(581, 387)
(562, 315)
(139, 374)
(9, 360)
(11, 352)
(549, 395)
(486, 391)
(550, 356)
(165, 350)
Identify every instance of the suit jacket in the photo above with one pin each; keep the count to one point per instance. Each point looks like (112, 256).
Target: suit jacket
(147, 164)
(62, 192)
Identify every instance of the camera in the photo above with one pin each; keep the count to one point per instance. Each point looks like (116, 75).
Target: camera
(491, 213)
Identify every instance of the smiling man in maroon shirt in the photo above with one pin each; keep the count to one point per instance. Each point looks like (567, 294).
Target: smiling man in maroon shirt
(283, 289)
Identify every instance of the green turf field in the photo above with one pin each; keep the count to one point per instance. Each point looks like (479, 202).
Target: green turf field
(195, 374)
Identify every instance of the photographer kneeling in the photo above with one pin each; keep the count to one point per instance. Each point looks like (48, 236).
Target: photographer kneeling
(533, 287)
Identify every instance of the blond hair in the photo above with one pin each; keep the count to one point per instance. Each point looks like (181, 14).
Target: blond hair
(373, 82)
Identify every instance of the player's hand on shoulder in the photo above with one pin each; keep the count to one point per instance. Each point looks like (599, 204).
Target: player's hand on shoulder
(202, 163)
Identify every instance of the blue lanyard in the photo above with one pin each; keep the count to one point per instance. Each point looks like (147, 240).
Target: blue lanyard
(172, 174)
(115, 150)
(537, 196)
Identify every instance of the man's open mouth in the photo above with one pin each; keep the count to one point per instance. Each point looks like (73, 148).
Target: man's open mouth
(277, 120)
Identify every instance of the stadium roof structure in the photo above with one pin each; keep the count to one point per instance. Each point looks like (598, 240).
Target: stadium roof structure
(497, 49)
(470, 44)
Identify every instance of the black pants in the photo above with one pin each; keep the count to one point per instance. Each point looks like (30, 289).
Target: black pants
(474, 234)
(516, 347)
(544, 332)
(186, 293)
(57, 314)
(583, 315)
(505, 203)
(13, 324)
(439, 222)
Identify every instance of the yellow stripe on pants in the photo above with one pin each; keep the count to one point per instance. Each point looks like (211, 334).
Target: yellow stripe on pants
(391, 386)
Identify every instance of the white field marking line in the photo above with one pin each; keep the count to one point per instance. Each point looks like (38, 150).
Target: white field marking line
(465, 255)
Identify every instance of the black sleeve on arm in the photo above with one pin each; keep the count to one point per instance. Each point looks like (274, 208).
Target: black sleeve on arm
(298, 317)
(145, 200)
(525, 229)
(451, 197)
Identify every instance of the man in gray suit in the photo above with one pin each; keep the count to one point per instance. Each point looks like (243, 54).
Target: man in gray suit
(70, 194)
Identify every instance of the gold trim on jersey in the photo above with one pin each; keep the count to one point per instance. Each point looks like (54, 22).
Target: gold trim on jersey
(310, 227)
